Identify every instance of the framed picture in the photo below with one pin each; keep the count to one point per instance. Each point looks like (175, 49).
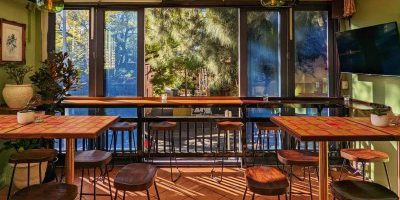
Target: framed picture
(12, 41)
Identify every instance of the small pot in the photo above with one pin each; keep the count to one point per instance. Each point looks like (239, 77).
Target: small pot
(17, 96)
(25, 117)
(21, 174)
(381, 121)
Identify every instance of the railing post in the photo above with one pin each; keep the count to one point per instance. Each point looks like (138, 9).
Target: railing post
(140, 132)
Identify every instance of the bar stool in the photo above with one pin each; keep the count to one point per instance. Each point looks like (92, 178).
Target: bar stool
(265, 128)
(225, 126)
(361, 190)
(122, 127)
(53, 191)
(269, 181)
(136, 177)
(167, 127)
(304, 159)
(29, 157)
(92, 160)
(364, 156)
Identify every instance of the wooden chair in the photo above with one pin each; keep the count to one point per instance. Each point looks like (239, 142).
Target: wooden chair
(92, 160)
(225, 127)
(167, 127)
(136, 177)
(353, 190)
(264, 128)
(364, 156)
(29, 157)
(269, 181)
(51, 191)
(305, 159)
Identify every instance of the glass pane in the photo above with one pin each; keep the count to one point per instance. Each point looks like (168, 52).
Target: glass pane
(192, 51)
(72, 36)
(311, 47)
(120, 53)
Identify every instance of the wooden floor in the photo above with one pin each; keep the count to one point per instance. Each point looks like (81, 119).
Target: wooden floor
(196, 183)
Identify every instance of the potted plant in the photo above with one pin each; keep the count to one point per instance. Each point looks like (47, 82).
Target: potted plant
(54, 79)
(17, 95)
(379, 115)
(27, 114)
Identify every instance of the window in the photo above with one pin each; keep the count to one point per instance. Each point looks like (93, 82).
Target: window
(192, 51)
(72, 36)
(311, 53)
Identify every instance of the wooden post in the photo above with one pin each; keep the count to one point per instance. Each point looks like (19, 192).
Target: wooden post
(323, 170)
(69, 161)
(398, 167)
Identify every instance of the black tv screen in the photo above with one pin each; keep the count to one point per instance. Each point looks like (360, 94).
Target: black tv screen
(370, 50)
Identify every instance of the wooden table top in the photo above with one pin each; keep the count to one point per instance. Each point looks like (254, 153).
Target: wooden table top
(330, 129)
(55, 127)
(392, 130)
(8, 123)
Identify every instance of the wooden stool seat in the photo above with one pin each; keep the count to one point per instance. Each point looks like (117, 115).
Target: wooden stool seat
(298, 158)
(361, 190)
(53, 191)
(229, 126)
(162, 126)
(364, 155)
(267, 126)
(135, 177)
(92, 159)
(123, 126)
(266, 180)
(33, 156)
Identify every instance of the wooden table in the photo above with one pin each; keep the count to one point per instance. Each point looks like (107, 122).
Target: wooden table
(58, 127)
(325, 129)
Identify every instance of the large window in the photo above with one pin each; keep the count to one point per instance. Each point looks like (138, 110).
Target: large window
(311, 49)
(192, 51)
(72, 36)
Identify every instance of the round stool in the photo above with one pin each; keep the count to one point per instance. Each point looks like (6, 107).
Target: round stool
(269, 181)
(225, 127)
(53, 191)
(122, 127)
(93, 159)
(304, 159)
(166, 127)
(361, 190)
(364, 156)
(28, 157)
(265, 128)
(136, 177)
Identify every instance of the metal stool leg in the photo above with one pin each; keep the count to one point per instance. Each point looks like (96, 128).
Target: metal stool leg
(94, 183)
(82, 175)
(309, 181)
(244, 195)
(148, 194)
(387, 175)
(224, 153)
(215, 154)
(363, 170)
(155, 187)
(11, 181)
(341, 169)
(172, 150)
(290, 181)
(130, 145)
(109, 182)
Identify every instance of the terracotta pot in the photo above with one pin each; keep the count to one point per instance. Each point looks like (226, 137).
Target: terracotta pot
(380, 120)
(21, 174)
(17, 96)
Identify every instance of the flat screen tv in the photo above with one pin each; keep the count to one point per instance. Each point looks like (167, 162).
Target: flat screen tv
(370, 50)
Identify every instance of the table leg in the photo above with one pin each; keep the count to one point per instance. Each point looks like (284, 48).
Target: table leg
(69, 161)
(323, 170)
(398, 167)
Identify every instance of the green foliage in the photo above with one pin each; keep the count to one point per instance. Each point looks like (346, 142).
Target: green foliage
(17, 72)
(55, 78)
(379, 109)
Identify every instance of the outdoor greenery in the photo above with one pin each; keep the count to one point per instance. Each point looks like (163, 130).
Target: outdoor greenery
(380, 110)
(193, 49)
(17, 72)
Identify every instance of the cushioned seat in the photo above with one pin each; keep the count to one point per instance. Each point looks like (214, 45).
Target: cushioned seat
(267, 126)
(33, 156)
(50, 191)
(361, 190)
(135, 177)
(92, 159)
(298, 158)
(266, 180)
(364, 155)
(123, 126)
(161, 126)
(230, 126)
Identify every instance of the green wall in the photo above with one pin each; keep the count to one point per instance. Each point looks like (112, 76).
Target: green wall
(14, 10)
(385, 90)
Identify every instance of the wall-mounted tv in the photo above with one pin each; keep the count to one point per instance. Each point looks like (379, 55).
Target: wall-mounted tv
(370, 50)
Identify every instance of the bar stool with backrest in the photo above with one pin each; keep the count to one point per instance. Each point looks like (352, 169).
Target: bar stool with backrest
(269, 181)
(304, 159)
(225, 126)
(364, 156)
(167, 127)
(92, 160)
(122, 127)
(56, 191)
(136, 177)
(264, 128)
